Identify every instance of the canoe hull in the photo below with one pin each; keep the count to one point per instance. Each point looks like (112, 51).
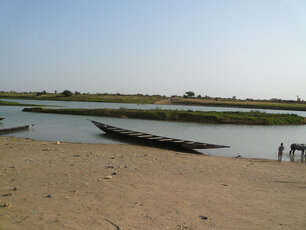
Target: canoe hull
(155, 139)
(15, 129)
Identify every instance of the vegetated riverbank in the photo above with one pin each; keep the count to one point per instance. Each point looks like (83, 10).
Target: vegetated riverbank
(12, 103)
(248, 118)
(275, 104)
(49, 185)
(111, 98)
(295, 106)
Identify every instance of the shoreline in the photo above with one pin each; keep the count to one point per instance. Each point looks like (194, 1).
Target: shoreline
(163, 100)
(185, 151)
(241, 118)
(81, 186)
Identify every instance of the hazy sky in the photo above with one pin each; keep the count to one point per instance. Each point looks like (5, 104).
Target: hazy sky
(248, 48)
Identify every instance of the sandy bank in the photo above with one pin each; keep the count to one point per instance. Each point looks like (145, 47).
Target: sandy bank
(45, 185)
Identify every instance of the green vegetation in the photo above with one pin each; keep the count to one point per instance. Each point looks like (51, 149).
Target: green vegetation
(189, 94)
(67, 93)
(12, 103)
(250, 118)
(69, 96)
(256, 104)
(187, 99)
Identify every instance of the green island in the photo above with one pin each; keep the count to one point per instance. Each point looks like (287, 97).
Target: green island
(188, 99)
(246, 118)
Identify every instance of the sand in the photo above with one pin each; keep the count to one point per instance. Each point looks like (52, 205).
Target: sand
(45, 185)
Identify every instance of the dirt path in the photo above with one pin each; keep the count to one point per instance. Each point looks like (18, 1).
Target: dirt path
(163, 102)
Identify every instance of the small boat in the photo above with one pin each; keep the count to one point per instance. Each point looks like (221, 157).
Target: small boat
(165, 141)
(1, 118)
(14, 129)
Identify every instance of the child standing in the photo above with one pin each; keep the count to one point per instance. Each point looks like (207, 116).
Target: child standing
(280, 152)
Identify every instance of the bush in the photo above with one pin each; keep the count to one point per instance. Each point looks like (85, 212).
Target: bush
(41, 93)
(67, 93)
(190, 94)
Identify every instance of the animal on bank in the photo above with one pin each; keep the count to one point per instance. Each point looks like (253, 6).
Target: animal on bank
(301, 147)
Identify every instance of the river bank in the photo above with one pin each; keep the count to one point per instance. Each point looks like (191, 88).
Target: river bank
(245, 118)
(273, 104)
(51, 185)
(256, 104)
(11, 103)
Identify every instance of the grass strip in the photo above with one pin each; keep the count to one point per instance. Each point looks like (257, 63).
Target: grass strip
(247, 118)
(242, 104)
(87, 98)
(12, 103)
(151, 99)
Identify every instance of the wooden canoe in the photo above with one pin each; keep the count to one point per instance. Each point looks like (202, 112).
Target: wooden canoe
(15, 129)
(160, 140)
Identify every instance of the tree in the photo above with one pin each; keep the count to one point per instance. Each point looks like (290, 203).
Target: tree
(41, 93)
(190, 94)
(298, 99)
(67, 93)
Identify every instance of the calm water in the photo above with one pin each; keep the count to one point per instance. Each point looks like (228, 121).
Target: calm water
(249, 141)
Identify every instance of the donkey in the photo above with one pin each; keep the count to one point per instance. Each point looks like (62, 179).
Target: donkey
(301, 147)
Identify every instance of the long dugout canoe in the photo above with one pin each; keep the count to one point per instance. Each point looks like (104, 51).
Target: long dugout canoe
(15, 129)
(172, 142)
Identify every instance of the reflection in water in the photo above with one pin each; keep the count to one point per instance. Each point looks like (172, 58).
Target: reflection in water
(145, 143)
(303, 157)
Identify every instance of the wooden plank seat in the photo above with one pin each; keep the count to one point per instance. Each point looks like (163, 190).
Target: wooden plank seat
(135, 134)
(155, 138)
(178, 141)
(119, 130)
(189, 142)
(127, 132)
(111, 128)
(166, 139)
(147, 135)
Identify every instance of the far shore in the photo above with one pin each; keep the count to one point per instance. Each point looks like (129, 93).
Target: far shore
(274, 104)
(53, 185)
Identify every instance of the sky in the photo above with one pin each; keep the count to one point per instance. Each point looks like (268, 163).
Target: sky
(220, 48)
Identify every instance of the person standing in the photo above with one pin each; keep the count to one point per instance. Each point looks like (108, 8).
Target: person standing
(280, 152)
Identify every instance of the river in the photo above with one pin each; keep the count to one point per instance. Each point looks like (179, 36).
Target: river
(247, 140)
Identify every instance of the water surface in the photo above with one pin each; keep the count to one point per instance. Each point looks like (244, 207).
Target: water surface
(248, 141)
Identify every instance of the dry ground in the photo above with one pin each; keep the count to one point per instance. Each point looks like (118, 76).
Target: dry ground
(44, 185)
